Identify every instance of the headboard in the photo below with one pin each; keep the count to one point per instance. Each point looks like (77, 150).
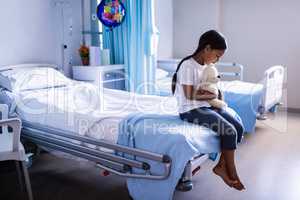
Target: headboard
(169, 65)
(28, 65)
(228, 71)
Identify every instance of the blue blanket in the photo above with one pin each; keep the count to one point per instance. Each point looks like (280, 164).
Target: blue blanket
(164, 134)
(244, 98)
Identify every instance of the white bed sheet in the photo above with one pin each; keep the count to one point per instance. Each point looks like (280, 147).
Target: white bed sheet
(240, 87)
(82, 109)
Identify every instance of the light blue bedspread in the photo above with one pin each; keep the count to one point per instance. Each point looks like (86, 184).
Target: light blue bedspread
(164, 134)
(244, 98)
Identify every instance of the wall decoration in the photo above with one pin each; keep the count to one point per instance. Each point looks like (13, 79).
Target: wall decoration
(111, 13)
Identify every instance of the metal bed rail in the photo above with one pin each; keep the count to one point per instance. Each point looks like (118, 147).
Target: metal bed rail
(273, 82)
(233, 70)
(226, 69)
(77, 145)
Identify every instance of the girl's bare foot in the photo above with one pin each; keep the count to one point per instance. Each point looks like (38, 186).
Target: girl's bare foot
(221, 171)
(237, 184)
(227, 160)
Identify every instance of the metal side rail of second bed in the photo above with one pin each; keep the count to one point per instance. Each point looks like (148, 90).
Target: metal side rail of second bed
(77, 145)
(273, 82)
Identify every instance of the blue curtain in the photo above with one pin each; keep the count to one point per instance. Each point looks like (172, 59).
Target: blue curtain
(134, 43)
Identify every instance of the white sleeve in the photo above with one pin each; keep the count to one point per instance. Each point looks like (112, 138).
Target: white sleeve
(185, 75)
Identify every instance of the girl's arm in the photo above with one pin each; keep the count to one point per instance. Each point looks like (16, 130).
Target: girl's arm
(201, 95)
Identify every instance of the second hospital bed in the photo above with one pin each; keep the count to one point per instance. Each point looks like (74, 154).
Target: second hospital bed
(250, 100)
(136, 136)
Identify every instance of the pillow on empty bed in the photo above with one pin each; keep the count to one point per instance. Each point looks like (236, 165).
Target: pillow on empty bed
(160, 73)
(32, 78)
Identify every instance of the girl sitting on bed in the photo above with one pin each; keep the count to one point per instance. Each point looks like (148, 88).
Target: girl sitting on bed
(194, 104)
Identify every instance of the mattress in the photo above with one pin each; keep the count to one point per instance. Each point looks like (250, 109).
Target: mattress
(81, 108)
(240, 87)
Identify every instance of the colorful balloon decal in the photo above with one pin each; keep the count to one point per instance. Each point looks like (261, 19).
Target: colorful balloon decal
(111, 12)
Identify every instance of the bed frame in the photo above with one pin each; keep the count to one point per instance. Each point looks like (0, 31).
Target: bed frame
(109, 162)
(228, 71)
(272, 85)
(76, 145)
(273, 90)
(272, 81)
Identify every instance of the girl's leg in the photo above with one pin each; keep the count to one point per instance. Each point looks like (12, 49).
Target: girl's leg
(230, 155)
(222, 161)
(211, 119)
(221, 170)
(231, 169)
(236, 123)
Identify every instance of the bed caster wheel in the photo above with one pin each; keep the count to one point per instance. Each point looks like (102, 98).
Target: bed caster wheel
(184, 186)
(261, 117)
(275, 108)
(29, 160)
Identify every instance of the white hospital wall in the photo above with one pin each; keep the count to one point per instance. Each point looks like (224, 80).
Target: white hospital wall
(259, 33)
(164, 23)
(31, 32)
(191, 18)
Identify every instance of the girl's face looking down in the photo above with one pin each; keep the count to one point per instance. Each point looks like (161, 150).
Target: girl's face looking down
(210, 55)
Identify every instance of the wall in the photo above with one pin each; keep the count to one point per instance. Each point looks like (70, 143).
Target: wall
(262, 34)
(164, 23)
(259, 33)
(31, 31)
(191, 19)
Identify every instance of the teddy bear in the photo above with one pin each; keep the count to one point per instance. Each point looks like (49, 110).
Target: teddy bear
(210, 80)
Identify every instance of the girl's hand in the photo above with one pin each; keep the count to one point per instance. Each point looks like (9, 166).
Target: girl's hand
(204, 95)
(200, 95)
(203, 92)
(216, 109)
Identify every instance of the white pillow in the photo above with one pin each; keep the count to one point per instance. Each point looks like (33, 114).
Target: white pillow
(160, 73)
(32, 78)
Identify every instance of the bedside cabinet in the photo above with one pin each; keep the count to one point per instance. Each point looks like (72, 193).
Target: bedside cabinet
(104, 76)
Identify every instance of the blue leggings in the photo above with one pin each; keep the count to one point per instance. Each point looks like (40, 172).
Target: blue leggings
(230, 129)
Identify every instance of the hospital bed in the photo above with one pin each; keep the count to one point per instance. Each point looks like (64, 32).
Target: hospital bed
(76, 118)
(250, 100)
